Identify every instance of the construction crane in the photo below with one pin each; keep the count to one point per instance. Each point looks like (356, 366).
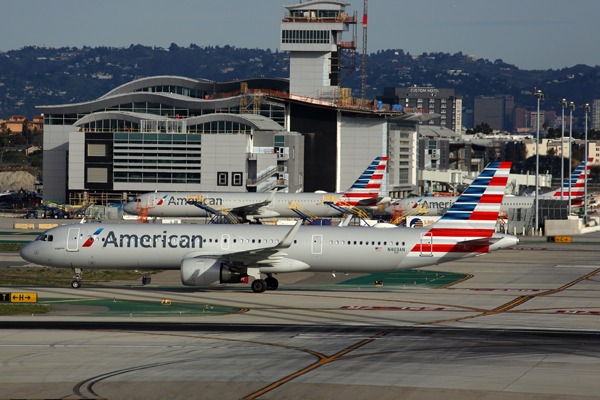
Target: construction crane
(364, 56)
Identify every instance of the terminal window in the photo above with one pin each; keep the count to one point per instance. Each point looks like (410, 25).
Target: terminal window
(236, 178)
(222, 178)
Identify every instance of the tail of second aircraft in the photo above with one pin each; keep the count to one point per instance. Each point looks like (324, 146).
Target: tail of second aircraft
(577, 182)
(467, 228)
(475, 212)
(366, 190)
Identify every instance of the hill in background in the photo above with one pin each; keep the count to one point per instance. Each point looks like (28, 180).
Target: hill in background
(35, 76)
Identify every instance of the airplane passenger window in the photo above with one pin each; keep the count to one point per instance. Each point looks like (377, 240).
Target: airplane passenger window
(337, 242)
(271, 241)
(204, 240)
(355, 242)
(378, 243)
(360, 242)
(331, 242)
(216, 240)
(234, 240)
(210, 240)
(295, 241)
(373, 243)
(50, 238)
(402, 243)
(253, 241)
(224, 240)
(384, 243)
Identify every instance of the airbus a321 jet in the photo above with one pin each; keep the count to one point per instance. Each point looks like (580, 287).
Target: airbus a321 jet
(253, 206)
(432, 205)
(210, 255)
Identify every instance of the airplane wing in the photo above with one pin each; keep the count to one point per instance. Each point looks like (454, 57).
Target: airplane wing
(254, 208)
(373, 201)
(264, 255)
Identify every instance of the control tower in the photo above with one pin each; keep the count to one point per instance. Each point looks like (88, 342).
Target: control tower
(312, 33)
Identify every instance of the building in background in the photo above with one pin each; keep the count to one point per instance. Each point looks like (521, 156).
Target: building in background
(595, 117)
(428, 100)
(312, 33)
(489, 110)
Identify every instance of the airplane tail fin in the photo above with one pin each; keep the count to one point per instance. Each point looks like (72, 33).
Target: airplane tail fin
(366, 190)
(577, 182)
(475, 212)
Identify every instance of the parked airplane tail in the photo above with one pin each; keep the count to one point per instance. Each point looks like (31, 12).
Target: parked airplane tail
(577, 182)
(366, 190)
(475, 212)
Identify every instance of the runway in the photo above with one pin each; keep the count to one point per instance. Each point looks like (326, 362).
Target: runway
(522, 324)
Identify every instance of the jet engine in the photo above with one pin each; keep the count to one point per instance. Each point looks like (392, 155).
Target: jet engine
(207, 272)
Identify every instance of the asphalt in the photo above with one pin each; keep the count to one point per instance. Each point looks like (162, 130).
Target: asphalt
(520, 323)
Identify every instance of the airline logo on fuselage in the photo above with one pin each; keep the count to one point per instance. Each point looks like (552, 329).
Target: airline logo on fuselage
(92, 238)
(434, 204)
(162, 241)
(181, 201)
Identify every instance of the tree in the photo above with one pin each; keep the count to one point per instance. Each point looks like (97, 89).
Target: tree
(36, 138)
(484, 128)
(5, 130)
(26, 130)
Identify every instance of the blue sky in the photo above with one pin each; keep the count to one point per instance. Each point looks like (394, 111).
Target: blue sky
(531, 34)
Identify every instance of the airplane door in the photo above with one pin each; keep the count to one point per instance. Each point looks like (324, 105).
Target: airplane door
(72, 239)
(151, 201)
(317, 244)
(225, 242)
(426, 245)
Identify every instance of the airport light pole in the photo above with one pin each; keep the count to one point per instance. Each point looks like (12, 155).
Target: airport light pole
(571, 108)
(586, 107)
(563, 103)
(540, 96)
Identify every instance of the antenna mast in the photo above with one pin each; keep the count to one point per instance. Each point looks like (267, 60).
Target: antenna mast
(364, 56)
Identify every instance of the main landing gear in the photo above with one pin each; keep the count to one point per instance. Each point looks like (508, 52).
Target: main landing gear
(76, 284)
(260, 285)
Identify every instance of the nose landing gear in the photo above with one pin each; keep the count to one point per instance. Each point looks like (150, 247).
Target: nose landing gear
(76, 284)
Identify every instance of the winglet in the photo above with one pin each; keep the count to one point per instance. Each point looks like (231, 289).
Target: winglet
(287, 241)
(271, 196)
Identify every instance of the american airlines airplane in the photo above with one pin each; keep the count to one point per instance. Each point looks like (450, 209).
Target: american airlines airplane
(434, 205)
(210, 255)
(249, 207)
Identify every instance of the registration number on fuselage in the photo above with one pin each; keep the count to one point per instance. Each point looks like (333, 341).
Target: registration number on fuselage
(396, 250)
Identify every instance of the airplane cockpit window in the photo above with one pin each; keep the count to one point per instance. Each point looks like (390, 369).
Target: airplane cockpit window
(45, 238)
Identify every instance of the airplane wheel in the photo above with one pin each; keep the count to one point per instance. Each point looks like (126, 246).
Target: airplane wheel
(259, 286)
(76, 284)
(272, 283)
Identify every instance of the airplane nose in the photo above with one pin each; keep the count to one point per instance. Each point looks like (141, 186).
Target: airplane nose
(129, 208)
(28, 252)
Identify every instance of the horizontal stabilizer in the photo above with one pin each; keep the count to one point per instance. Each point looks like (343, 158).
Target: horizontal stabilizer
(480, 241)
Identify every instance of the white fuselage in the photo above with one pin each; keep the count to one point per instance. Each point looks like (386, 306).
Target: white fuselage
(322, 248)
(175, 205)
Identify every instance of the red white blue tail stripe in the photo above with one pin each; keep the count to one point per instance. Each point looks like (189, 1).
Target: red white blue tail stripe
(577, 182)
(368, 185)
(468, 225)
(475, 212)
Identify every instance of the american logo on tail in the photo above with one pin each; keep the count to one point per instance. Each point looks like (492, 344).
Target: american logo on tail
(366, 190)
(577, 182)
(472, 218)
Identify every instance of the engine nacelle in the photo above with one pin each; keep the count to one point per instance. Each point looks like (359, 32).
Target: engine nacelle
(207, 272)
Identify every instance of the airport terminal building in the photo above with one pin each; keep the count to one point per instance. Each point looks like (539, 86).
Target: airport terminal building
(172, 133)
